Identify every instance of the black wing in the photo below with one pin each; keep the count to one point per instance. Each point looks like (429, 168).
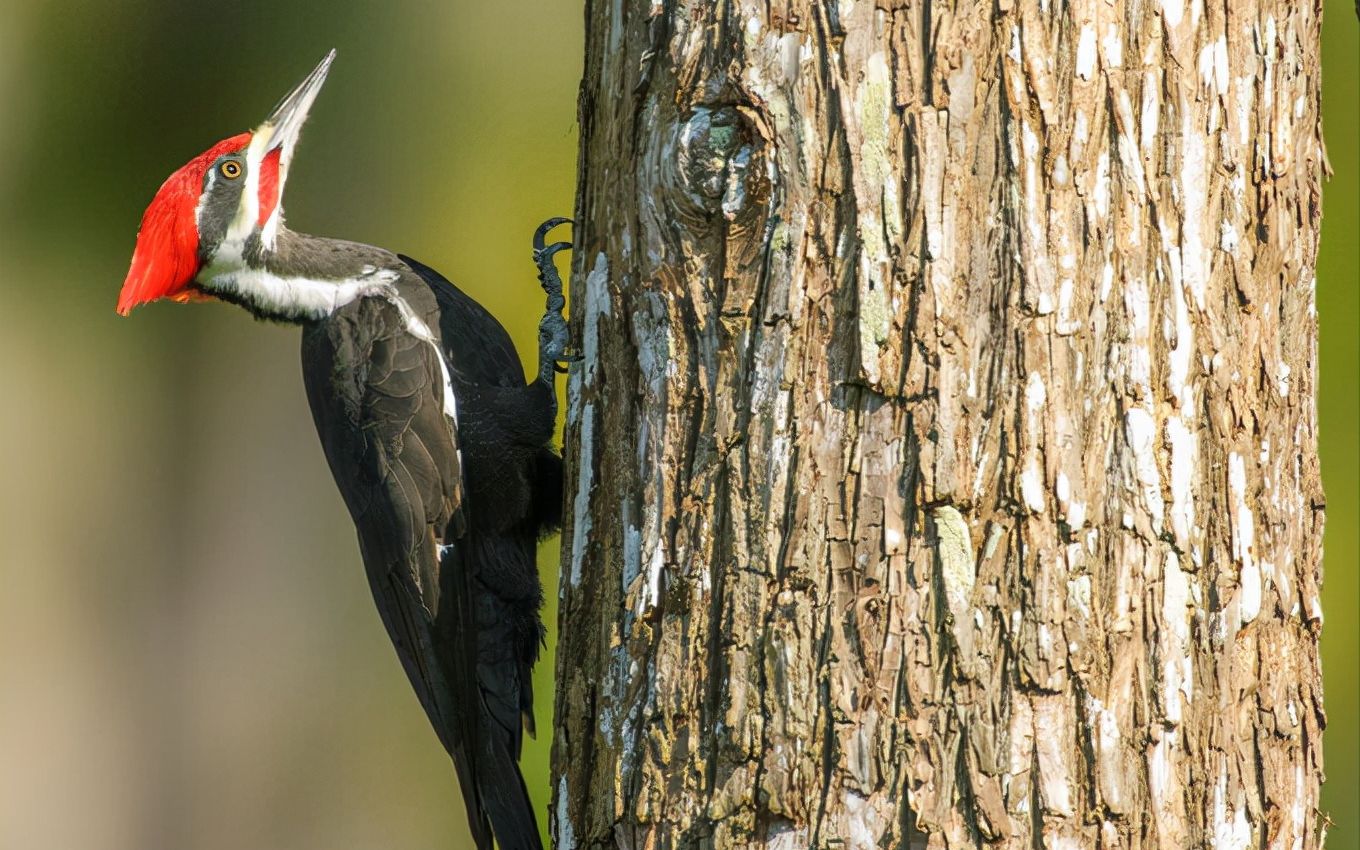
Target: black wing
(377, 399)
(377, 396)
(506, 426)
(513, 481)
(475, 343)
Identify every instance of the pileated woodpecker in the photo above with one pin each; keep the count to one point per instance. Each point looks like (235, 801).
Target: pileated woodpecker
(440, 448)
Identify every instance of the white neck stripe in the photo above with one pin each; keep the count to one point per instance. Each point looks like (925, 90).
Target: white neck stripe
(297, 298)
(294, 297)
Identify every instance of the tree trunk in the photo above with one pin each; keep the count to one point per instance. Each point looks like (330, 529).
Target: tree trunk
(943, 457)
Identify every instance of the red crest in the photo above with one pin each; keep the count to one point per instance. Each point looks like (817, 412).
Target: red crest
(166, 260)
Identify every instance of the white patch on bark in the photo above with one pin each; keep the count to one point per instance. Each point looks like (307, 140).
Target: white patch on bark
(1243, 539)
(1177, 669)
(1172, 12)
(1184, 451)
(1163, 782)
(1129, 157)
(1076, 515)
(1032, 478)
(1086, 52)
(1106, 726)
(1298, 811)
(1081, 132)
(1250, 602)
(1079, 589)
(1034, 242)
(596, 298)
(1109, 751)
(1113, 47)
(1032, 485)
(1035, 394)
(1245, 108)
(632, 549)
(1213, 65)
(1149, 115)
(651, 590)
(1194, 187)
(1137, 304)
(1102, 199)
(1052, 735)
(1141, 431)
(1228, 236)
(862, 822)
(1231, 829)
(584, 484)
(566, 834)
(782, 836)
(994, 535)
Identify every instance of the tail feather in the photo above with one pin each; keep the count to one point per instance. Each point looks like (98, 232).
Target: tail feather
(494, 793)
(505, 797)
(496, 641)
(478, 822)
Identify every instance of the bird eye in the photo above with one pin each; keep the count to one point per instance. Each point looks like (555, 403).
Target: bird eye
(230, 169)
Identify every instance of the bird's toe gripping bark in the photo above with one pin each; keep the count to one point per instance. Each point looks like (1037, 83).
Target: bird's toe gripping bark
(554, 337)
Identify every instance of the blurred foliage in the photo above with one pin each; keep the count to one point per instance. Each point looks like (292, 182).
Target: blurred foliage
(1338, 299)
(189, 656)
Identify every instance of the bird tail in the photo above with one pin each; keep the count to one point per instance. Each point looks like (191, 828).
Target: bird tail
(498, 640)
(495, 795)
(508, 639)
(505, 798)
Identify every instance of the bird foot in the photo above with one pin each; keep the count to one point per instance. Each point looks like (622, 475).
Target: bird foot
(554, 337)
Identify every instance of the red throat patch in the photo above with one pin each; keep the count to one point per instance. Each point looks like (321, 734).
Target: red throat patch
(165, 260)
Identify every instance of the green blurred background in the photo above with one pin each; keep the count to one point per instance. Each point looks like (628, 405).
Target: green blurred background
(189, 658)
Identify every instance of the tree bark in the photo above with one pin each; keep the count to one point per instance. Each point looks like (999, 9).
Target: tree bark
(943, 457)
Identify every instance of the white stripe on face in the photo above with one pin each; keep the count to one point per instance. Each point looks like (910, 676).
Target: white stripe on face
(248, 209)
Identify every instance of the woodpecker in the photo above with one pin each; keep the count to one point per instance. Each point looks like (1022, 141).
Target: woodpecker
(438, 445)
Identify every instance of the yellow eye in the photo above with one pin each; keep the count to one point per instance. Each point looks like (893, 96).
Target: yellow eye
(230, 169)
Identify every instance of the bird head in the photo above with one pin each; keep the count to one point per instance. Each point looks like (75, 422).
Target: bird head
(222, 202)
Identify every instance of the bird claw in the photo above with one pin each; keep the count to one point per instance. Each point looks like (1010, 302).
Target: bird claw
(541, 234)
(542, 255)
(554, 337)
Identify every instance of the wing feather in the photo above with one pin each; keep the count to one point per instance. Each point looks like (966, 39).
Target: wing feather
(376, 395)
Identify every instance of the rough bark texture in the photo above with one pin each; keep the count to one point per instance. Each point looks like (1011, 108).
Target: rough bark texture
(943, 456)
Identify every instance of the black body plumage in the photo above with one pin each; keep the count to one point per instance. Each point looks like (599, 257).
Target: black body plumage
(448, 513)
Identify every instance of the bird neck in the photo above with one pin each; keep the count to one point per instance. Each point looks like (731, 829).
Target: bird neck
(301, 278)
